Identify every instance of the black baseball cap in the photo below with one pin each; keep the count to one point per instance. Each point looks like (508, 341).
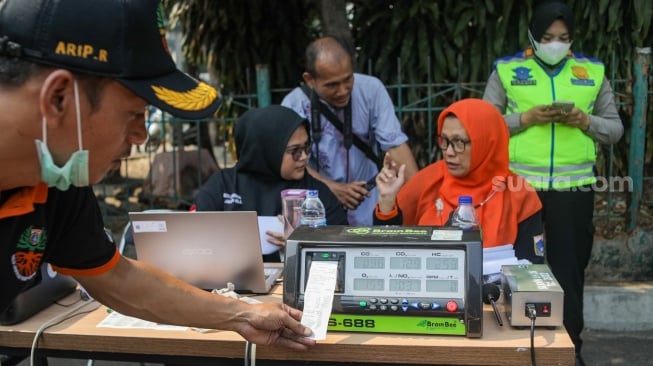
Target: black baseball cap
(119, 39)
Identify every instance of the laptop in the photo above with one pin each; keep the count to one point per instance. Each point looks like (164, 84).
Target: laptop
(47, 287)
(207, 249)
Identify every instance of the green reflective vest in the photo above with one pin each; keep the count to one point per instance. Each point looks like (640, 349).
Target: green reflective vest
(551, 155)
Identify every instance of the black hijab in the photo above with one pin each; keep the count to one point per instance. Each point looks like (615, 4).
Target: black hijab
(545, 13)
(261, 136)
(255, 182)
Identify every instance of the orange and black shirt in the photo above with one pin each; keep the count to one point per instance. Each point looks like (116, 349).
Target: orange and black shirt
(40, 224)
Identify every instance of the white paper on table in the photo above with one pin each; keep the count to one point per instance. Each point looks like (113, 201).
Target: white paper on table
(116, 320)
(499, 252)
(318, 297)
(491, 267)
(495, 257)
(269, 223)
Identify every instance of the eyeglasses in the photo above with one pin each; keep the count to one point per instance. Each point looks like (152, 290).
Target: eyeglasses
(457, 144)
(297, 150)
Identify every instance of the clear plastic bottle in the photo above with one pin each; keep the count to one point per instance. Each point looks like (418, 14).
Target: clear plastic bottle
(313, 213)
(464, 216)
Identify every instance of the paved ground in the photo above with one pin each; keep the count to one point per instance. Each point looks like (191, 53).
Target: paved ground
(601, 349)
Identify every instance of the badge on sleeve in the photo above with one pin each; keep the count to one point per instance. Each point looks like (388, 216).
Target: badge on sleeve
(538, 245)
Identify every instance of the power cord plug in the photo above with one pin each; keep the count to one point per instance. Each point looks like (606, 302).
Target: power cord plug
(532, 314)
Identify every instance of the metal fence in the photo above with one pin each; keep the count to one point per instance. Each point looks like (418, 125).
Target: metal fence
(416, 104)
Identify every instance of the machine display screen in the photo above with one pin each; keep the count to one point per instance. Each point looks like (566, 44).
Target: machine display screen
(405, 285)
(369, 284)
(442, 263)
(369, 262)
(397, 272)
(405, 263)
(442, 286)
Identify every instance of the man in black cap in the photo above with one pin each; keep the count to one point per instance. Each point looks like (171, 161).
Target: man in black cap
(75, 79)
(558, 104)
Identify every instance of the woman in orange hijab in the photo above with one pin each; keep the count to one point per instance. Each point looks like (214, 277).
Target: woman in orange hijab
(473, 138)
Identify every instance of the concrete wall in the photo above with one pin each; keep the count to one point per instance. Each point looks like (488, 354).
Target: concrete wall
(624, 306)
(619, 288)
(625, 257)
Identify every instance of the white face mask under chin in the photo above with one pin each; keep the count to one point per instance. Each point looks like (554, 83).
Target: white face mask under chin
(551, 53)
(75, 170)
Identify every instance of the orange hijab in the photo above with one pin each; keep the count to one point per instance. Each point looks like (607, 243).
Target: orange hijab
(513, 201)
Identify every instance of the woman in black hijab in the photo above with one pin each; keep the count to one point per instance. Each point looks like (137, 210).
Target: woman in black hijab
(272, 147)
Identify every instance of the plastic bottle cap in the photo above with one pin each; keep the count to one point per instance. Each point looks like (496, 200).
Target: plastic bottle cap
(464, 199)
(312, 193)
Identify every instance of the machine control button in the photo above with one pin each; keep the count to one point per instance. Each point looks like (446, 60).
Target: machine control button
(383, 307)
(394, 307)
(372, 307)
(362, 304)
(452, 306)
(373, 301)
(404, 308)
(424, 305)
(383, 301)
(436, 306)
(394, 301)
(415, 305)
(545, 309)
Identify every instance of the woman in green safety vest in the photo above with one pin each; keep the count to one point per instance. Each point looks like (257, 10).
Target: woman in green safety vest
(558, 105)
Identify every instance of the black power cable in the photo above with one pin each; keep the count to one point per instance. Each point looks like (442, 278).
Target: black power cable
(532, 314)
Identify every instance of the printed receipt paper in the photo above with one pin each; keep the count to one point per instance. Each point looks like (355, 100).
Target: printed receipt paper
(318, 297)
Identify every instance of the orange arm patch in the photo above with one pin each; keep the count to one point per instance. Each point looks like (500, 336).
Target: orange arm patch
(90, 271)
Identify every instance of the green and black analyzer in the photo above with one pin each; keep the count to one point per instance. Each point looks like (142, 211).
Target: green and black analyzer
(415, 280)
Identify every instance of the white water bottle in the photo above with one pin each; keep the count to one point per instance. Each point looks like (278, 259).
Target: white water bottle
(313, 212)
(464, 216)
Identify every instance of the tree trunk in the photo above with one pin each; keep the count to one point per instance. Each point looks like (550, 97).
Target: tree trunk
(335, 22)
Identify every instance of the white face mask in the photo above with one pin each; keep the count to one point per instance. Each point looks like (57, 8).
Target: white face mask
(75, 170)
(551, 53)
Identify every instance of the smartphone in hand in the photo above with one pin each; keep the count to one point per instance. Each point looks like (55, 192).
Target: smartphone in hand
(370, 184)
(563, 105)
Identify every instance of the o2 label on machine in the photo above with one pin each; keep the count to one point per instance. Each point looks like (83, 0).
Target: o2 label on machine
(158, 226)
(318, 297)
